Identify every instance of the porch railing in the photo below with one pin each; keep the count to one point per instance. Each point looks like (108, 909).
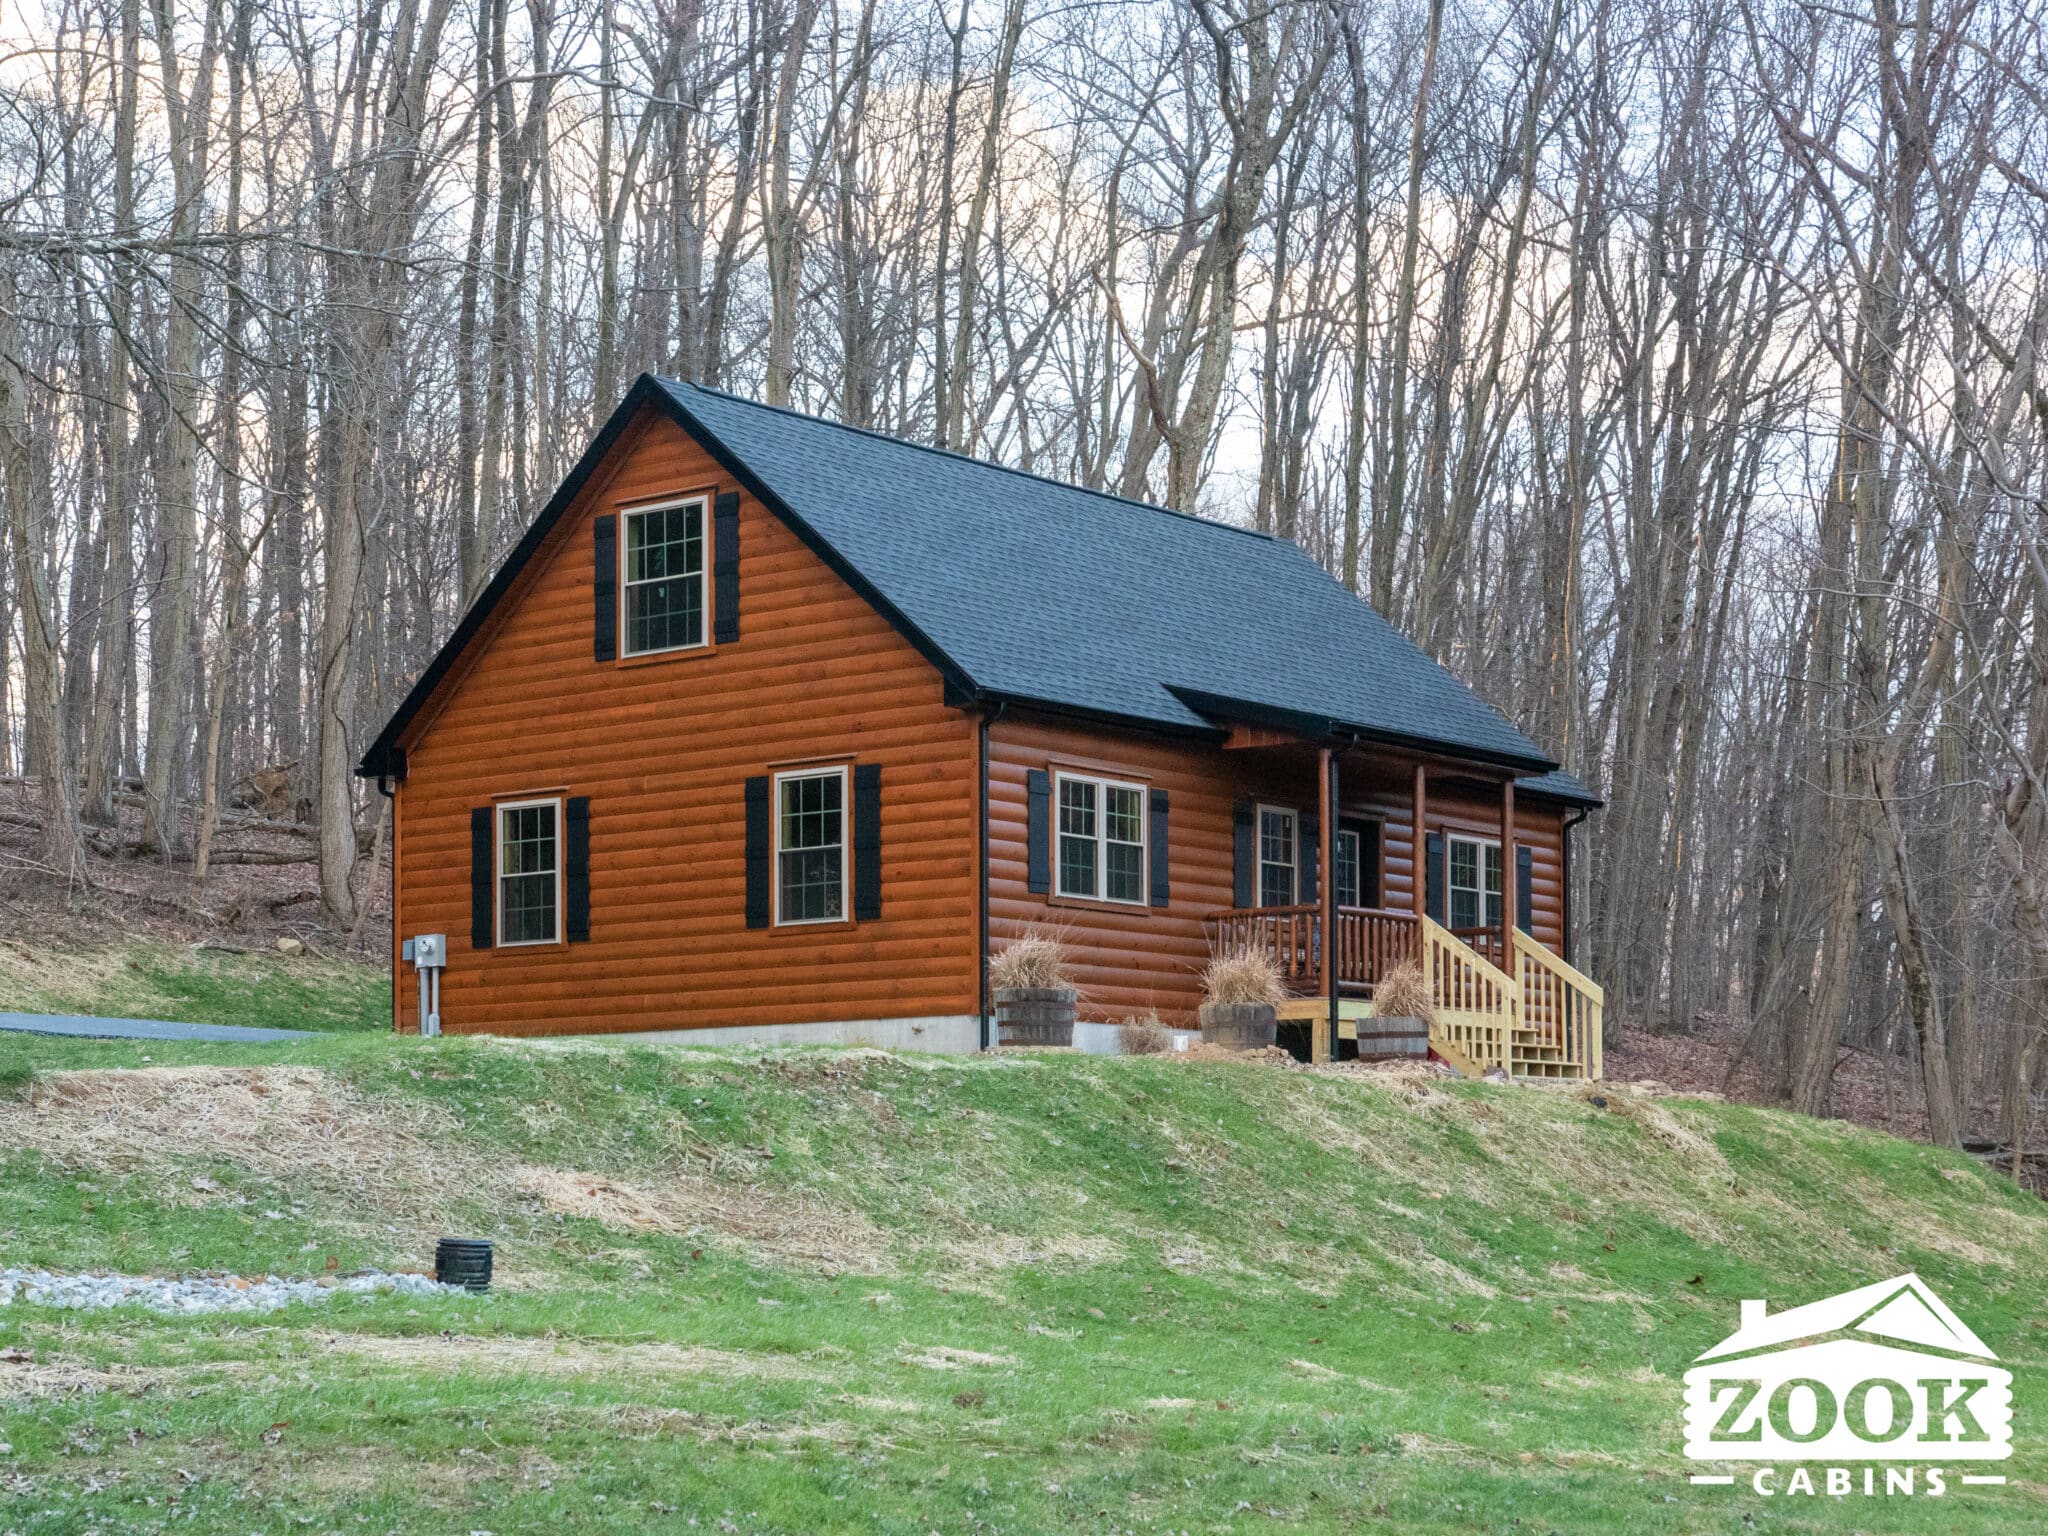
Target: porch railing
(1370, 941)
(1288, 934)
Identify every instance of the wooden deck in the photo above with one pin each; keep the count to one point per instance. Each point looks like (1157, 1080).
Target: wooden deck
(1533, 1016)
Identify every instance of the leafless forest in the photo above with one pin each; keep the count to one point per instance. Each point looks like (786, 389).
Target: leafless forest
(1667, 367)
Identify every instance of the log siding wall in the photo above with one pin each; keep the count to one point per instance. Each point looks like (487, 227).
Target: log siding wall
(662, 745)
(1132, 960)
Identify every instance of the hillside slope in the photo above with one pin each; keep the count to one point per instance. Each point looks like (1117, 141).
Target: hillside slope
(849, 1291)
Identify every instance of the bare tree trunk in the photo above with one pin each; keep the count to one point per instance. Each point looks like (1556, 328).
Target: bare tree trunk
(783, 248)
(1391, 480)
(30, 514)
(103, 736)
(955, 411)
(170, 672)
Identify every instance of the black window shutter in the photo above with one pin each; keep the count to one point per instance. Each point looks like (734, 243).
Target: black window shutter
(867, 841)
(1369, 863)
(1162, 880)
(605, 587)
(725, 567)
(1311, 857)
(1038, 832)
(1433, 888)
(576, 871)
(1525, 889)
(757, 853)
(481, 922)
(1244, 871)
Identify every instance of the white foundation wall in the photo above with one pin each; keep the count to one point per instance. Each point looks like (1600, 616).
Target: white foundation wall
(948, 1034)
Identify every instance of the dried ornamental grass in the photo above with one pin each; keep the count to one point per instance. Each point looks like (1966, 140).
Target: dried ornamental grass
(1036, 959)
(1403, 993)
(1243, 976)
(1144, 1037)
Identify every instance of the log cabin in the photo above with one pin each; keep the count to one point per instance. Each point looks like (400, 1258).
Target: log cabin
(774, 728)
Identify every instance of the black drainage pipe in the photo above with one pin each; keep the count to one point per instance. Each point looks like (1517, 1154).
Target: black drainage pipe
(463, 1261)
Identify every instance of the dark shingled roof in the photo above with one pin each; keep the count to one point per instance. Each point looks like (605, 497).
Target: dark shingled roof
(1029, 589)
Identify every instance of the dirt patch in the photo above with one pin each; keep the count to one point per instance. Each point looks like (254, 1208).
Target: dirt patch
(25, 1378)
(1655, 1117)
(943, 1357)
(1263, 1056)
(287, 1123)
(1006, 1250)
(561, 1357)
(1404, 1075)
(777, 1223)
(388, 1159)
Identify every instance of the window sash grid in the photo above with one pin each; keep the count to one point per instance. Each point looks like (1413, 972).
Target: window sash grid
(667, 574)
(810, 847)
(1279, 856)
(528, 883)
(1095, 862)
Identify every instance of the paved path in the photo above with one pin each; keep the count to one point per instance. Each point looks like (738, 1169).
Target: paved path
(140, 1029)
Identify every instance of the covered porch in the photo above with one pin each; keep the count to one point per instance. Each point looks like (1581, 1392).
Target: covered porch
(1448, 885)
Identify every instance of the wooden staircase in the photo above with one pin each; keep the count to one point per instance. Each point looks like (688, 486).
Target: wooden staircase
(1542, 1020)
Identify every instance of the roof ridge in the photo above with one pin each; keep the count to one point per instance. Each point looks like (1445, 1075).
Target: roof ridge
(967, 458)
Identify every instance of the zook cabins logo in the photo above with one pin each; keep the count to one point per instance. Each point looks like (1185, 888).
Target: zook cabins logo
(1877, 1391)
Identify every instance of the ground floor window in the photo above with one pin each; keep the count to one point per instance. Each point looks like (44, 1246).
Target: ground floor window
(1474, 882)
(1347, 855)
(529, 872)
(1102, 839)
(1279, 856)
(810, 846)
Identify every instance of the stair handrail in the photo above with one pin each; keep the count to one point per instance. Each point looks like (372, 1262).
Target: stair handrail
(1592, 998)
(1500, 1028)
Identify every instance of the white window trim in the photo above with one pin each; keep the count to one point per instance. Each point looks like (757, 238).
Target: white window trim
(1259, 859)
(626, 516)
(1482, 844)
(841, 773)
(498, 870)
(1103, 784)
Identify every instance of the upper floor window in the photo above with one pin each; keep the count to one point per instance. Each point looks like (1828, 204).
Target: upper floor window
(1279, 856)
(529, 872)
(1102, 839)
(1474, 882)
(810, 846)
(663, 556)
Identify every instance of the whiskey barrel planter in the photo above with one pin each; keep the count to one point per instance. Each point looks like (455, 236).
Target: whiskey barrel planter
(1239, 1026)
(1392, 1039)
(1038, 1016)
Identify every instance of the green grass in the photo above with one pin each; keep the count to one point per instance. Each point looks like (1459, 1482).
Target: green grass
(143, 979)
(904, 1294)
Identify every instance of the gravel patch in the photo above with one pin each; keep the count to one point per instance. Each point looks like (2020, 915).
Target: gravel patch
(204, 1293)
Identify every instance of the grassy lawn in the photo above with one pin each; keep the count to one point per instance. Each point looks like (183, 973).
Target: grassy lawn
(844, 1291)
(143, 979)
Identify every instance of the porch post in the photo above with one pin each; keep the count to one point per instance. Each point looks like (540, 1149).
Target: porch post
(1507, 876)
(1324, 1044)
(1418, 863)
